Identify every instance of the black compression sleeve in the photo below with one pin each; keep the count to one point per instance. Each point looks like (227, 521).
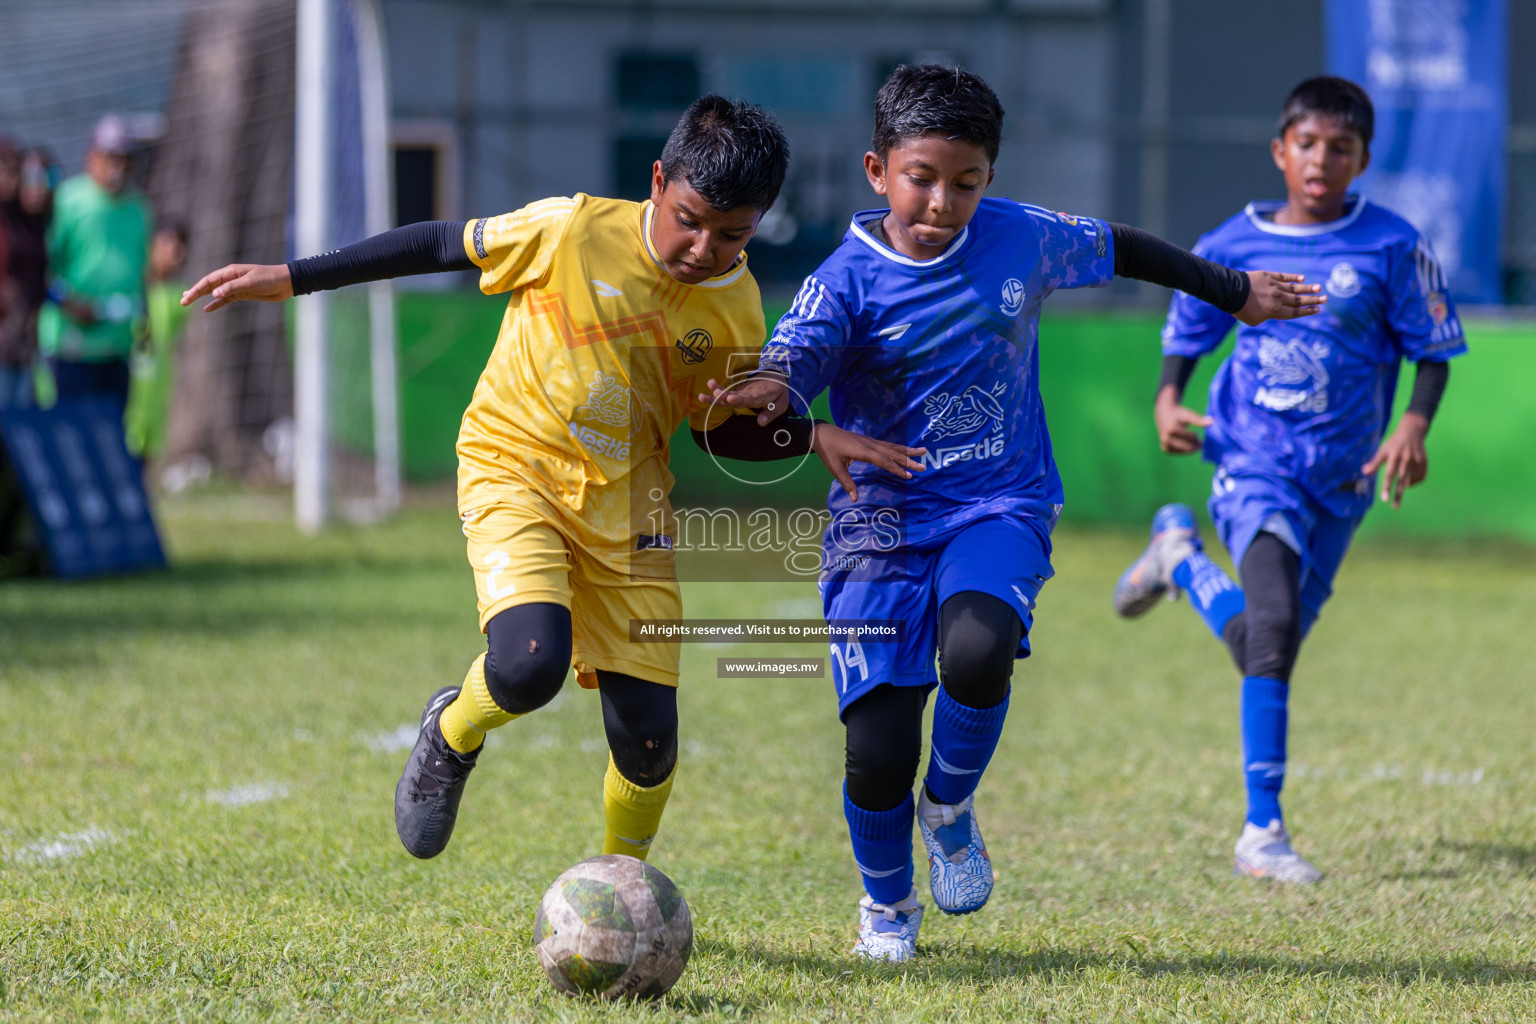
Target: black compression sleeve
(1429, 388)
(427, 248)
(1146, 257)
(1177, 371)
(741, 438)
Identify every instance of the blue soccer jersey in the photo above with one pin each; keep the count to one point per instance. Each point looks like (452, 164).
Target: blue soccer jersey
(1308, 400)
(941, 354)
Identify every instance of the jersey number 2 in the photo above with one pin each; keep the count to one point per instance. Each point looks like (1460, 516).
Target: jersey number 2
(496, 561)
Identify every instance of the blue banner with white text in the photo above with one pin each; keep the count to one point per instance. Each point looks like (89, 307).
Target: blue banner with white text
(1436, 71)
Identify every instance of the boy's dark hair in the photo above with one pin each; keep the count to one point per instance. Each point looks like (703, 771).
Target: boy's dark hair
(732, 154)
(930, 99)
(1330, 96)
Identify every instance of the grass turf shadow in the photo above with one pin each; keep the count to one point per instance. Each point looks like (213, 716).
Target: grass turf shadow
(971, 965)
(1518, 859)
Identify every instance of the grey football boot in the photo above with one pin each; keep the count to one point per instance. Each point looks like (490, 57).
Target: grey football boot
(1150, 577)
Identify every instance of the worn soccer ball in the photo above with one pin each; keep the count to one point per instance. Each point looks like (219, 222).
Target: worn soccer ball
(613, 927)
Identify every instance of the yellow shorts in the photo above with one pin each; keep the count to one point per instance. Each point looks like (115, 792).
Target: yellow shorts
(520, 556)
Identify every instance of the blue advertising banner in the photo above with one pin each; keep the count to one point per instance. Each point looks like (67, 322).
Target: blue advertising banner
(1437, 72)
(84, 492)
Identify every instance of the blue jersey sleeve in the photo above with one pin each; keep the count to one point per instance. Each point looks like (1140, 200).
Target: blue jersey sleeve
(1075, 252)
(1194, 327)
(807, 345)
(1419, 309)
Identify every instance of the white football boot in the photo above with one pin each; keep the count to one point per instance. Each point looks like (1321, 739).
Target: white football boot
(959, 870)
(888, 932)
(1266, 853)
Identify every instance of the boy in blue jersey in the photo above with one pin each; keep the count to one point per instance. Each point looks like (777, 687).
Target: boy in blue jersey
(924, 324)
(1295, 426)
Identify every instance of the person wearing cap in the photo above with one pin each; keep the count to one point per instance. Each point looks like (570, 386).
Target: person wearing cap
(98, 251)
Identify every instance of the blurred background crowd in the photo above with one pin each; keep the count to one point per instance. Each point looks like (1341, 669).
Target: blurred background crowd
(89, 299)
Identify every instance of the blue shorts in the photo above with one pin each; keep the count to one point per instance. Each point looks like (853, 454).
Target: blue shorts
(1243, 505)
(1007, 557)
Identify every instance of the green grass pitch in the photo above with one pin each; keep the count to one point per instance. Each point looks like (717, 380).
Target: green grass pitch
(195, 822)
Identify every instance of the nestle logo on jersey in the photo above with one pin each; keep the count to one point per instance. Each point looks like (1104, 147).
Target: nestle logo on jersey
(695, 345)
(987, 448)
(599, 443)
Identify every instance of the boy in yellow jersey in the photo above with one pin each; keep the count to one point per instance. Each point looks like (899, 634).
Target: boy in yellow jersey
(619, 312)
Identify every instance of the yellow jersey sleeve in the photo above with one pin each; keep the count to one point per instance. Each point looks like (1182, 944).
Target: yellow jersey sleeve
(516, 249)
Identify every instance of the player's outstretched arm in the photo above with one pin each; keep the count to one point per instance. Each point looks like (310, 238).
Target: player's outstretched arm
(1402, 457)
(1252, 297)
(430, 247)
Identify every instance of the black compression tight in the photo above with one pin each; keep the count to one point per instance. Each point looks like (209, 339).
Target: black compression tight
(978, 638)
(1266, 637)
(527, 660)
(640, 718)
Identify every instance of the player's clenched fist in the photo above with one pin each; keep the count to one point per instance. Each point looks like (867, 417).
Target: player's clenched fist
(1174, 422)
(242, 281)
(1273, 296)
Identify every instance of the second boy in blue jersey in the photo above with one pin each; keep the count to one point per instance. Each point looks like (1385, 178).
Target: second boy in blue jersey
(1295, 425)
(923, 325)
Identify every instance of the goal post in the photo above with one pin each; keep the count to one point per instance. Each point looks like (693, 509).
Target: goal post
(341, 118)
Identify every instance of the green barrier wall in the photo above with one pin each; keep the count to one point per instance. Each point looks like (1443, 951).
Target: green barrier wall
(1097, 374)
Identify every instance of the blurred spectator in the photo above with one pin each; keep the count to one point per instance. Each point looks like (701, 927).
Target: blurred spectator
(98, 251)
(153, 365)
(26, 203)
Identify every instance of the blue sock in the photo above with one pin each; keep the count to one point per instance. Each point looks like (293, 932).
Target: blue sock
(963, 741)
(1211, 591)
(882, 848)
(1264, 718)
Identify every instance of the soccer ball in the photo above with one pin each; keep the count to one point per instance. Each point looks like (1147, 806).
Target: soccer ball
(613, 927)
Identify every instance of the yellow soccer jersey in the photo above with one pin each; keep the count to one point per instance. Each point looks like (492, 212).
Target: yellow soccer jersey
(600, 357)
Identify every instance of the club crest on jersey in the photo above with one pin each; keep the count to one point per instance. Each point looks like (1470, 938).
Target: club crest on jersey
(1437, 308)
(1013, 296)
(1293, 376)
(950, 415)
(659, 541)
(695, 345)
(1343, 280)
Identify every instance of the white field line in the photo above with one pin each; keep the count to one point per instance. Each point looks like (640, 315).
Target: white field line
(1391, 773)
(244, 796)
(60, 847)
(392, 741)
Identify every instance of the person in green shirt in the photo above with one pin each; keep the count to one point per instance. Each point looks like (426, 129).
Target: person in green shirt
(98, 251)
(152, 368)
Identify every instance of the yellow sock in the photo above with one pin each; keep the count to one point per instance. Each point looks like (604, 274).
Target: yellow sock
(631, 813)
(473, 712)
